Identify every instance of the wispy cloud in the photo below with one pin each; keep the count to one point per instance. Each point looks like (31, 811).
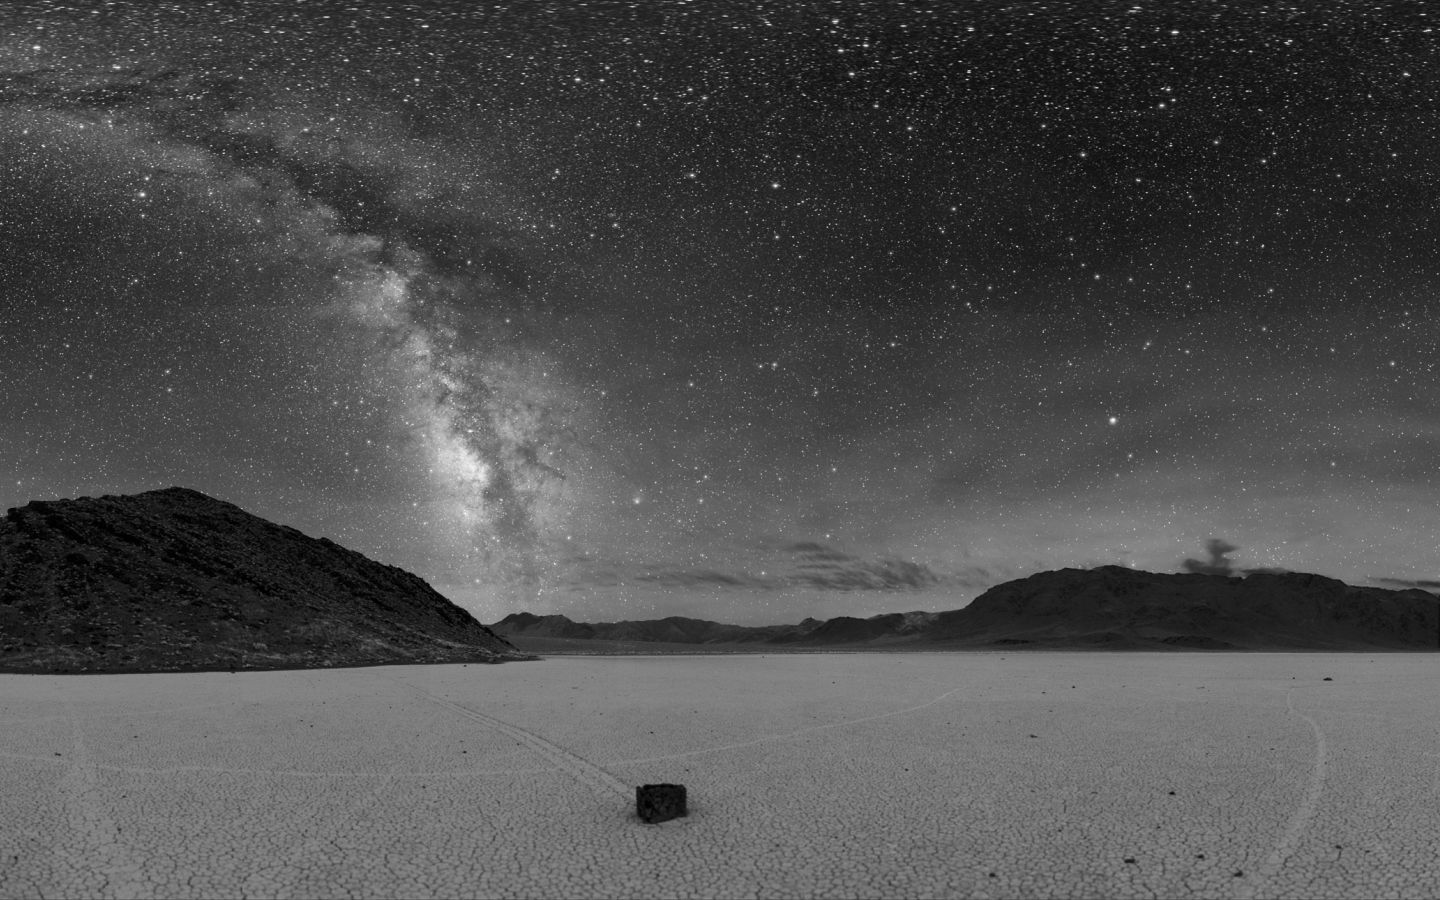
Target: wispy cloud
(814, 566)
(702, 578)
(1218, 563)
(1430, 584)
(825, 568)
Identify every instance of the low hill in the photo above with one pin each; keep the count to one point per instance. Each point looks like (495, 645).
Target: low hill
(1120, 606)
(1108, 608)
(174, 580)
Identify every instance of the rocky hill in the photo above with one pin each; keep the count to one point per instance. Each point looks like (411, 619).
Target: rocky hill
(174, 580)
(1109, 607)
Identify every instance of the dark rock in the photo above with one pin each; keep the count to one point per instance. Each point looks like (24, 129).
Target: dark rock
(659, 802)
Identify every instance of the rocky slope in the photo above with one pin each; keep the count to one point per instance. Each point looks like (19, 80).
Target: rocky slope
(1109, 607)
(174, 580)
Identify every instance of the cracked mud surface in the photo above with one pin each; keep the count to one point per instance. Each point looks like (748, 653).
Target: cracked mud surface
(916, 775)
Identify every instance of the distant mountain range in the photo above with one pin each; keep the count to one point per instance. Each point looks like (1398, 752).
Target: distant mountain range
(677, 629)
(175, 580)
(1108, 607)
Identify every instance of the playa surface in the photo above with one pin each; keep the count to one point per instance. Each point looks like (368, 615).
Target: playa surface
(817, 775)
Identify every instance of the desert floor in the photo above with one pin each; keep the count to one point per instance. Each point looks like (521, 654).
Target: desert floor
(837, 775)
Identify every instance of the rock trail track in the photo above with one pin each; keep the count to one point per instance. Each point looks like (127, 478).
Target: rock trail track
(588, 773)
(579, 768)
(1304, 812)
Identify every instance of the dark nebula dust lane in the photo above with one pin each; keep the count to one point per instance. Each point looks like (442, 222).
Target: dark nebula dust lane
(749, 312)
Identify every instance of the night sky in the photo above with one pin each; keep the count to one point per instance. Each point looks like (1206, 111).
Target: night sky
(748, 312)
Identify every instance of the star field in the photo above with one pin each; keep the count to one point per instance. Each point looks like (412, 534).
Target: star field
(745, 311)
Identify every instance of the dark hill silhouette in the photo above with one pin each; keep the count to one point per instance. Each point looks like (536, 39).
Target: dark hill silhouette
(676, 629)
(1263, 610)
(542, 626)
(175, 580)
(888, 628)
(1110, 608)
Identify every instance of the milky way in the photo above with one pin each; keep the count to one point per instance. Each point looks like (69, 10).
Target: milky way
(742, 311)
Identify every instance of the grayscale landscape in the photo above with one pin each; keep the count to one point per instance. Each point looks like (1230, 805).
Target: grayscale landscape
(734, 449)
(976, 774)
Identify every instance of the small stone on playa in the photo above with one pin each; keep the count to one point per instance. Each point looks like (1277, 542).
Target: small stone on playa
(656, 803)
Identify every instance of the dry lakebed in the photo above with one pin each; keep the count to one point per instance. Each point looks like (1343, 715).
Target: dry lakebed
(988, 774)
